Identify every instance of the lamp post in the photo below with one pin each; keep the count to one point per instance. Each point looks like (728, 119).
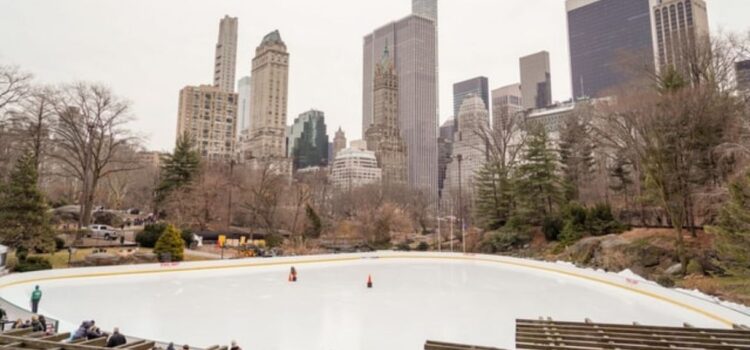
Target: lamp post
(460, 204)
(439, 241)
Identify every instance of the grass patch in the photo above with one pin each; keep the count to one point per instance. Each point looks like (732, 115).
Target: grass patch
(732, 288)
(59, 260)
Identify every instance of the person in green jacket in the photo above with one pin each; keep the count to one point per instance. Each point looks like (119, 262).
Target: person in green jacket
(36, 295)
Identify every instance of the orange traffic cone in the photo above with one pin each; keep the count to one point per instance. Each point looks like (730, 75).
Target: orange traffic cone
(369, 281)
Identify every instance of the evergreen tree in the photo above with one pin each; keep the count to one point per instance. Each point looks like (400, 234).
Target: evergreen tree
(179, 168)
(171, 243)
(733, 228)
(494, 197)
(576, 157)
(24, 220)
(537, 184)
(316, 226)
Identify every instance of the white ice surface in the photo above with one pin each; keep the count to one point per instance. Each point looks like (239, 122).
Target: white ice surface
(415, 297)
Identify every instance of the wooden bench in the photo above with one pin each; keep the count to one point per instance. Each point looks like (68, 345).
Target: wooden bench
(436, 345)
(548, 334)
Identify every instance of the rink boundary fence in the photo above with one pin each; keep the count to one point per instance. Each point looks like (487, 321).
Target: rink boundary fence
(170, 268)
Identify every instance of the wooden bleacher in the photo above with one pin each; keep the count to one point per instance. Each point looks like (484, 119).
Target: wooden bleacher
(26, 339)
(549, 334)
(435, 345)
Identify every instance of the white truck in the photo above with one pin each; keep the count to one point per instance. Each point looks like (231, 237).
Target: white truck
(102, 232)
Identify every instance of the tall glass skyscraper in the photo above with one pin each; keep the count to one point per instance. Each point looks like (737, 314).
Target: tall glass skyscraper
(606, 36)
(413, 43)
(478, 86)
(308, 140)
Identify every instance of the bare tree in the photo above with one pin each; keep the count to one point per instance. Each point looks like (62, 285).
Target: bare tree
(14, 85)
(263, 198)
(90, 139)
(31, 122)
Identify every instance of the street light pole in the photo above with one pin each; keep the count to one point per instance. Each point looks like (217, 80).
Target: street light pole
(439, 242)
(460, 204)
(453, 223)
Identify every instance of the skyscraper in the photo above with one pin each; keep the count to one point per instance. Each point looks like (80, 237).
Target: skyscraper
(468, 145)
(477, 86)
(244, 87)
(445, 149)
(226, 54)
(413, 43)
(208, 115)
(536, 82)
(339, 142)
(383, 136)
(742, 70)
(308, 140)
(270, 80)
(604, 37)
(506, 101)
(425, 8)
(678, 25)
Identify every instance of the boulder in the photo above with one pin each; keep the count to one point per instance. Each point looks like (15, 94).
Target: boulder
(674, 269)
(101, 259)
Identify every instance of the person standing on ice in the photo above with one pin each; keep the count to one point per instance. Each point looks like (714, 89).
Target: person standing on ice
(36, 296)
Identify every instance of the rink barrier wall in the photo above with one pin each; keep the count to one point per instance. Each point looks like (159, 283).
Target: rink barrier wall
(703, 306)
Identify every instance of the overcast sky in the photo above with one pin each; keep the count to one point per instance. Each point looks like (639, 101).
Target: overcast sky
(147, 50)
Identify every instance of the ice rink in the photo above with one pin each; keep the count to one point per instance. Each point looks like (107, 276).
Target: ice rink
(416, 296)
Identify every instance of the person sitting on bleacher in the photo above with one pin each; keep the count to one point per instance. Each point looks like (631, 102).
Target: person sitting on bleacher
(94, 332)
(36, 326)
(43, 321)
(18, 324)
(116, 339)
(80, 333)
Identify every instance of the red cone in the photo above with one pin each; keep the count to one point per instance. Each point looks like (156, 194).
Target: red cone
(369, 281)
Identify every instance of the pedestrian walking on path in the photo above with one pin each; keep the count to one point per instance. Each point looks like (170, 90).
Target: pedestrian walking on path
(36, 296)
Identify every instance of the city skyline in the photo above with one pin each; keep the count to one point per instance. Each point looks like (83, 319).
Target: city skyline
(167, 53)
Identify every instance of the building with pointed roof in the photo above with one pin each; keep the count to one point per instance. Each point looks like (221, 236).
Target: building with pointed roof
(270, 86)
(339, 142)
(384, 136)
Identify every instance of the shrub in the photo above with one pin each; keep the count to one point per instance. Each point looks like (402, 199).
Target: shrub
(32, 263)
(552, 226)
(423, 246)
(107, 218)
(187, 236)
(170, 244)
(274, 240)
(570, 234)
(575, 214)
(694, 267)
(150, 234)
(665, 281)
(59, 243)
(403, 246)
(600, 221)
(512, 235)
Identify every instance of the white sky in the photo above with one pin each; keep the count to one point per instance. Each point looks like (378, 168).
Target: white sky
(147, 50)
